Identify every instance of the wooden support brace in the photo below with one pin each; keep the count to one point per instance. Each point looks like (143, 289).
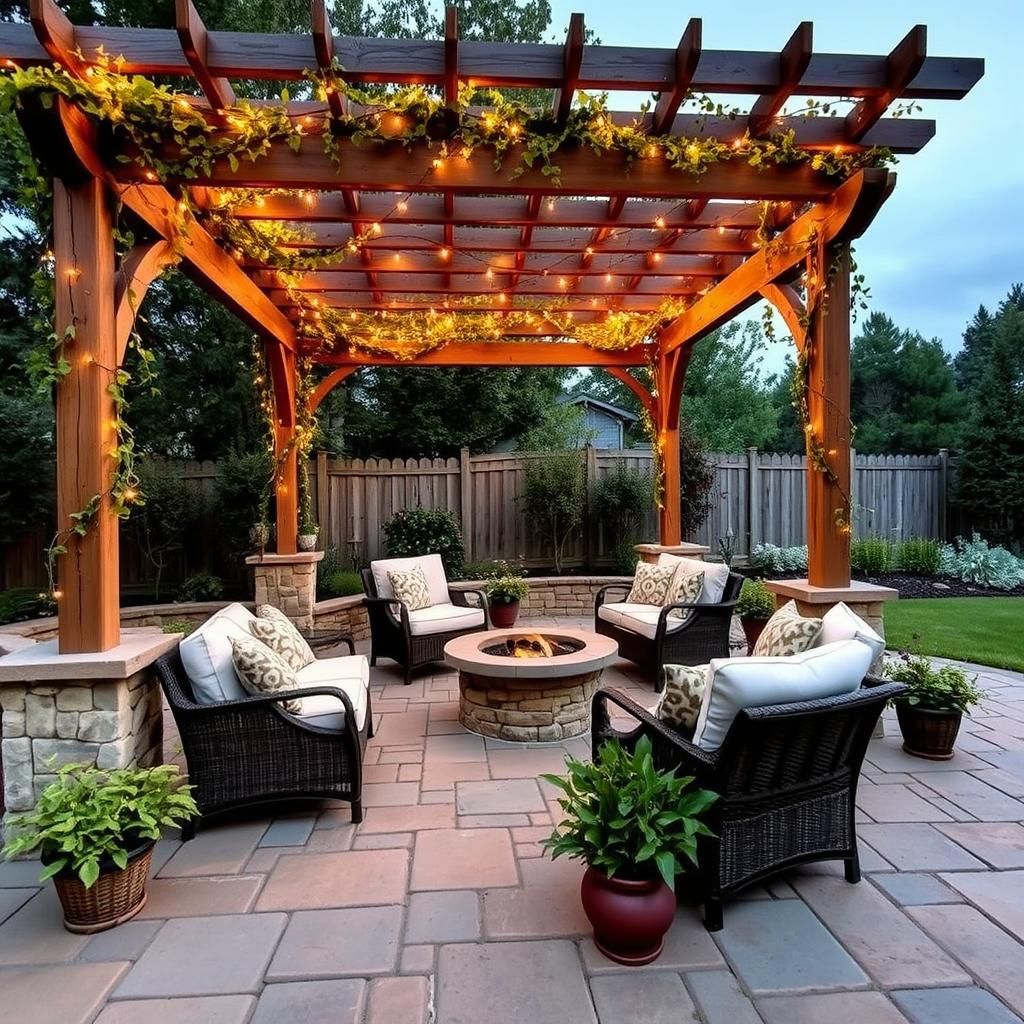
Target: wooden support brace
(328, 384)
(645, 397)
(791, 308)
(141, 266)
(193, 37)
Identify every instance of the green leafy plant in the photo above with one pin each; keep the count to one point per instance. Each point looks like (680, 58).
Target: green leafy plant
(872, 555)
(919, 555)
(201, 586)
(426, 531)
(184, 626)
(90, 817)
(490, 569)
(554, 496)
(507, 589)
(946, 688)
(756, 601)
(626, 818)
(621, 501)
(22, 603)
(339, 583)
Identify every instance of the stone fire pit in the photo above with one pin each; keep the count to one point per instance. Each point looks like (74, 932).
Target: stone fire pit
(536, 696)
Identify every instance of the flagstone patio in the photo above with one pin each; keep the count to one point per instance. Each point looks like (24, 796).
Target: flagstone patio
(441, 907)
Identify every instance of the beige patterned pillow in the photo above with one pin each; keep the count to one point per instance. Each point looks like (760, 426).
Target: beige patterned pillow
(278, 632)
(261, 671)
(685, 588)
(786, 632)
(684, 687)
(411, 588)
(650, 583)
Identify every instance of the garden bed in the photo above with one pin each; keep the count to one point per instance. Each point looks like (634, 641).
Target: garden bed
(911, 586)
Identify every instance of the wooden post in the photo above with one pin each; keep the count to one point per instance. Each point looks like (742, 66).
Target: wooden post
(828, 400)
(323, 499)
(753, 500)
(286, 490)
(88, 608)
(854, 501)
(466, 502)
(671, 373)
(943, 495)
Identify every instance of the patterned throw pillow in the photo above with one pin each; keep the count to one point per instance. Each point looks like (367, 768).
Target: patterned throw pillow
(682, 696)
(262, 671)
(786, 632)
(411, 588)
(651, 583)
(685, 588)
(278, 632)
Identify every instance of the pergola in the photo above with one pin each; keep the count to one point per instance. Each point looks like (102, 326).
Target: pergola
(419, 227)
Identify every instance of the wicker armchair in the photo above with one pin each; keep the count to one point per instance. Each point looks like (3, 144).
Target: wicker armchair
(786, 776)
(249, 751)
(703, 636)
(391, 629)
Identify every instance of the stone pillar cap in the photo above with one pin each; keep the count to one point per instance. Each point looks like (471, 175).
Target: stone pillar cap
(854, 592)
(272, 558)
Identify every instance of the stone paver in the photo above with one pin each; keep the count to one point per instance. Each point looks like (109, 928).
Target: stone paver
(1000, 895)
(1000, 844)
(953, 1006)
(910, 889)
(890, 947)
(200, 956)
(216, 851)
(190, 897)
(359, 941)
(688, 946)
(398, 1001)
(780, 946)
(896, 803)
(353, 878)
(34, 934)
(547, 906)
(651, 998)
(720, 999)
(507, 796)
(463, 858)
(974, 796)
(443, 917)
(862, 1007)
(453, 749)
(405, 819)
(61, 994)
(292, 831)
(125, 942)
(12, 900)
(517, 982)
(917, 847)
(199, 1010)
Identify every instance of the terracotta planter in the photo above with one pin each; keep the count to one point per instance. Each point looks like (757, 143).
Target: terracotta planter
(630, 918)
(752, 630)
(117, 895)
(928, 734)
(503, 614)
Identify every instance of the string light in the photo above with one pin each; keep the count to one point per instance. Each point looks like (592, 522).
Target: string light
(551, 206)
(443, 252)
(402, 206)
(73, 273)
(489, 274)
(377, 229)
(659, 222)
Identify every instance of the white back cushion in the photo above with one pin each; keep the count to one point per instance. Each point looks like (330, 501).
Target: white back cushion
(737, 683)
(716, 575)
(840, 622)
(206, 656)
(238, 614)
(432, 567)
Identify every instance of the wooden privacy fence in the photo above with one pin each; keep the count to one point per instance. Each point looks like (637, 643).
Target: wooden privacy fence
(758, 497)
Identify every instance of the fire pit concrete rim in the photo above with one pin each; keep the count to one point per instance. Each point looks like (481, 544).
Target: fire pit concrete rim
(466, 653)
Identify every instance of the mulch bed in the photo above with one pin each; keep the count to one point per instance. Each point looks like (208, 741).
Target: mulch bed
(929, 586)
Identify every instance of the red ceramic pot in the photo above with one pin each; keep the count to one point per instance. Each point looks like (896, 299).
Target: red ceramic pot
(752, 630)
(630, 918)
(503, 614)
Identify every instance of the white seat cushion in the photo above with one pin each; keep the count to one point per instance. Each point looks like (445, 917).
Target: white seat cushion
(351, 674)
(639, 618)
(206, 656)
(737, 683)
(432, 568)
(716, 575)
(442, 618)
(841, 623)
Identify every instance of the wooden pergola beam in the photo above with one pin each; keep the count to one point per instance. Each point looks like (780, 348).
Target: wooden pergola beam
(195, 45)
(572, 62)
(687, 57)
(55, 34)
(586, 310)
(793, 61)
(451, 56)
(501, 353)
(283, 57)
(902, 66)
(323, 48)
(845, 216)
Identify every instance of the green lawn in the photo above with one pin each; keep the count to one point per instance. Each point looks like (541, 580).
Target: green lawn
(985, 630)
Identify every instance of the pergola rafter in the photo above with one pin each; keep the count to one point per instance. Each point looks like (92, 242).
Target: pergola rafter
(395, 230)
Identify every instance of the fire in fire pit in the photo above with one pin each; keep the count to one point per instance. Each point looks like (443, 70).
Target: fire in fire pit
(534, 645)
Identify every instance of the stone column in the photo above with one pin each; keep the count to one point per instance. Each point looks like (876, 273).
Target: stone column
(103, 709)
(650, 552)
(288, 582)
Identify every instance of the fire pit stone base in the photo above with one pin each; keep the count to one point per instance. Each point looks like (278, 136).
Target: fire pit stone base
(526, 710)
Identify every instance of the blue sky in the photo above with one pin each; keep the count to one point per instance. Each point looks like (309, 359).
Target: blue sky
(951, 236)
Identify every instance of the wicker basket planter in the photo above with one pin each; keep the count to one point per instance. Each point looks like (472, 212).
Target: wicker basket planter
(928, 734)
(117, 895)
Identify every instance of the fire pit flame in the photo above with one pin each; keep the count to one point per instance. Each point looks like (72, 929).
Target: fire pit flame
(532, 646)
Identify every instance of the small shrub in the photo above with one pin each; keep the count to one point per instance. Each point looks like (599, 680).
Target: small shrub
(872, 555)
(23, 603)
(242, 497)
(201, 586)
(756, 601)
(920, 556)
(507, 589)
(621, 500)
(772, 560)
(554, 496)
(185, 626)
(339, 583)
(426, 531)
(973, 561)
(490, 569)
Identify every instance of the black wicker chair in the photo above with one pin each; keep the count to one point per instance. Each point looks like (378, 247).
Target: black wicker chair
(704, 635)
(249, 751)
(786, 776)
(392, 637)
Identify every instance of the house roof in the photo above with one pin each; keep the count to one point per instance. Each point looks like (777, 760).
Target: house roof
(589, 401)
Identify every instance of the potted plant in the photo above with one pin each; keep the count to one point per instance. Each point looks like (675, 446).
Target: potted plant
(94, 830)
(931, 709)
(755, 607)
(634, 828)
(503, 596)
(259, 536)
(308, 533)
